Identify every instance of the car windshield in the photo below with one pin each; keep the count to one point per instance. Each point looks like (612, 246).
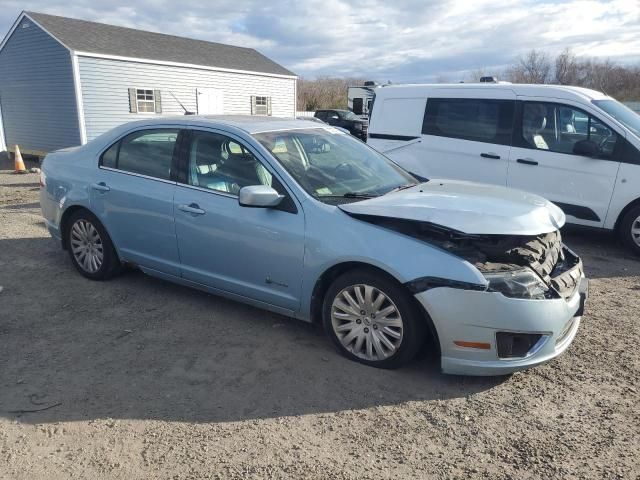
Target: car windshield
(347, 115)
(330, 164)
(621, 113)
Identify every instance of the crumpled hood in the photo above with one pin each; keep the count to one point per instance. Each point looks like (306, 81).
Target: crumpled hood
(467, 207)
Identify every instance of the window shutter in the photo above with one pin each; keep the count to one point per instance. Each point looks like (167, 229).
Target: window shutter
(253, 105)
(133, 105)
(269, 106)
(158, 99)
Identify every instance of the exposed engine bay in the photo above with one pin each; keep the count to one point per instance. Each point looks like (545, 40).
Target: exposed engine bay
(557, 266)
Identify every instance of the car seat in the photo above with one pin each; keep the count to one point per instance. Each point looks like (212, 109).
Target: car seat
(205, 159)
(534, 121)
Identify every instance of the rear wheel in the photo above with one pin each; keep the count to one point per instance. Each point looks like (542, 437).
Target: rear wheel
(630, 229)
(372, 319)
(90, 247)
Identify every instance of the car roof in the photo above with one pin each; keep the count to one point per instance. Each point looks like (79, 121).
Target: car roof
(248, 123)
(532, 90)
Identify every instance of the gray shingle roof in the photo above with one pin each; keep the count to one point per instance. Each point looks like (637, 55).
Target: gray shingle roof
(92, 37)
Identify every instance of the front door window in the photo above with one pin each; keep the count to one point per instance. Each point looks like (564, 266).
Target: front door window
(558, 128)
(219, 163)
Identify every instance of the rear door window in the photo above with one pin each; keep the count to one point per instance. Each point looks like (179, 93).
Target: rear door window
(479, 120)
(145, 152)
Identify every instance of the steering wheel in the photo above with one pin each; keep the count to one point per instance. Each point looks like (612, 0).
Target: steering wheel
(343, 170)
(607, 138)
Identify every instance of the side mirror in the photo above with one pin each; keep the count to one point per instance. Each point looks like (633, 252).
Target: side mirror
(587, 148)
(259, 196)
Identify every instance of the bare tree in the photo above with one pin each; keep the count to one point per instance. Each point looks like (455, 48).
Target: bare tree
(533, 67)
(567, 69)
(324, 92)
(619, 81)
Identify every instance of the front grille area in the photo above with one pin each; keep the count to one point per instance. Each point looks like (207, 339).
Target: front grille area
(566, 275)
(557, 266)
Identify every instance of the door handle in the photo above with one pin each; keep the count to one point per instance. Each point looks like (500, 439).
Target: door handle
(192, 208)
(527, 161)
(101, 187)
(490, 155)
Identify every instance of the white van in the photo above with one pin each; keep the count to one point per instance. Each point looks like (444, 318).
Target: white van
(577, 147)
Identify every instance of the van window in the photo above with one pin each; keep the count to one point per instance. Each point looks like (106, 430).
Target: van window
(479, 120)
(402, 115)
(557, 128)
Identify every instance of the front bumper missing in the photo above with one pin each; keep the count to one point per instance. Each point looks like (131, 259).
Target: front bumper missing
(460, 314)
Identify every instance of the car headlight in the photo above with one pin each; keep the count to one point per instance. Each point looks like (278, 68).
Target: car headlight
(521, 283)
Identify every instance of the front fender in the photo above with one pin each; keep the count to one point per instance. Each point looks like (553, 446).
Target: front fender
(333, 237)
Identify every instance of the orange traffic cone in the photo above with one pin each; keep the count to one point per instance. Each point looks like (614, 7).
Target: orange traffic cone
(18, 162)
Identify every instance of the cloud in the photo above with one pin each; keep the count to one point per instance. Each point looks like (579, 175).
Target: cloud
(401, 41)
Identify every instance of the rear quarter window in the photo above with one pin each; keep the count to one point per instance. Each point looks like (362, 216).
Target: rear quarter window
(479, 120)
(400, 116)
(110, 156)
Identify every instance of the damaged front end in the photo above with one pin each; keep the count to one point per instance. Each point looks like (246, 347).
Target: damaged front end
(518, 266)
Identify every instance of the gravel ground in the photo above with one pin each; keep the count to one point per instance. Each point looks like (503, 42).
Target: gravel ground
(145, 379)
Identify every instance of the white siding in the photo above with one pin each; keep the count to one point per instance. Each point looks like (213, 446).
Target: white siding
(105, 85)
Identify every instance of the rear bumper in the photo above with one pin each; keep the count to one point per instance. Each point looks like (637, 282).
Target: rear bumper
(476, 316)
(51, 213)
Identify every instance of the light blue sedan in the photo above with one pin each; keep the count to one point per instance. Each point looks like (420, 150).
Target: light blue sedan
(301, 219)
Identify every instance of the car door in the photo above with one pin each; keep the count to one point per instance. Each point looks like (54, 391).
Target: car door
(546, 158)
(334, 119)
(132, 194)
(466, 135)
(256, 253)
(321, 114)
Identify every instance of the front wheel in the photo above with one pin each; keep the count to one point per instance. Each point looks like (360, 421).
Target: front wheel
(372, 319)
(630, 229)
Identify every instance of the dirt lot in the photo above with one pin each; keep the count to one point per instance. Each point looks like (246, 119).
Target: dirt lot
(150, 380)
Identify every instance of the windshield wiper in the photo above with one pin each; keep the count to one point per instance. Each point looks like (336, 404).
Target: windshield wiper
(402, 187)
(359, 195)
(350, 195)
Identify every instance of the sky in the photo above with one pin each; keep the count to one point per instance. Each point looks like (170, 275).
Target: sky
(385, 40)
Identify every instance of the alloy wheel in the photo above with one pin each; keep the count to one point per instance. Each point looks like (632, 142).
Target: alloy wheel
(86, 246)
(367, 322)
(635, 231)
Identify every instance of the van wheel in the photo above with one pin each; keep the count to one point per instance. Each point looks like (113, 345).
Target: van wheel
(630, 229)
(90, 247)
(371, 319)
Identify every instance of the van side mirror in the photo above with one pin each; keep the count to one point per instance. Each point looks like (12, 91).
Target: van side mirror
(259, 196)
(587, 148)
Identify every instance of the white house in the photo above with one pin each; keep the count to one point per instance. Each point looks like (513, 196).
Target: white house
(65, 81)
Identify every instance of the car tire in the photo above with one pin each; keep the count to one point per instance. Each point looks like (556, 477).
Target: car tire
(364, 335)
(90, 247)
(629, 230)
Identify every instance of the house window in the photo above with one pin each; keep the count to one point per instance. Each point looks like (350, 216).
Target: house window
(260, 105)
(143, 100)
